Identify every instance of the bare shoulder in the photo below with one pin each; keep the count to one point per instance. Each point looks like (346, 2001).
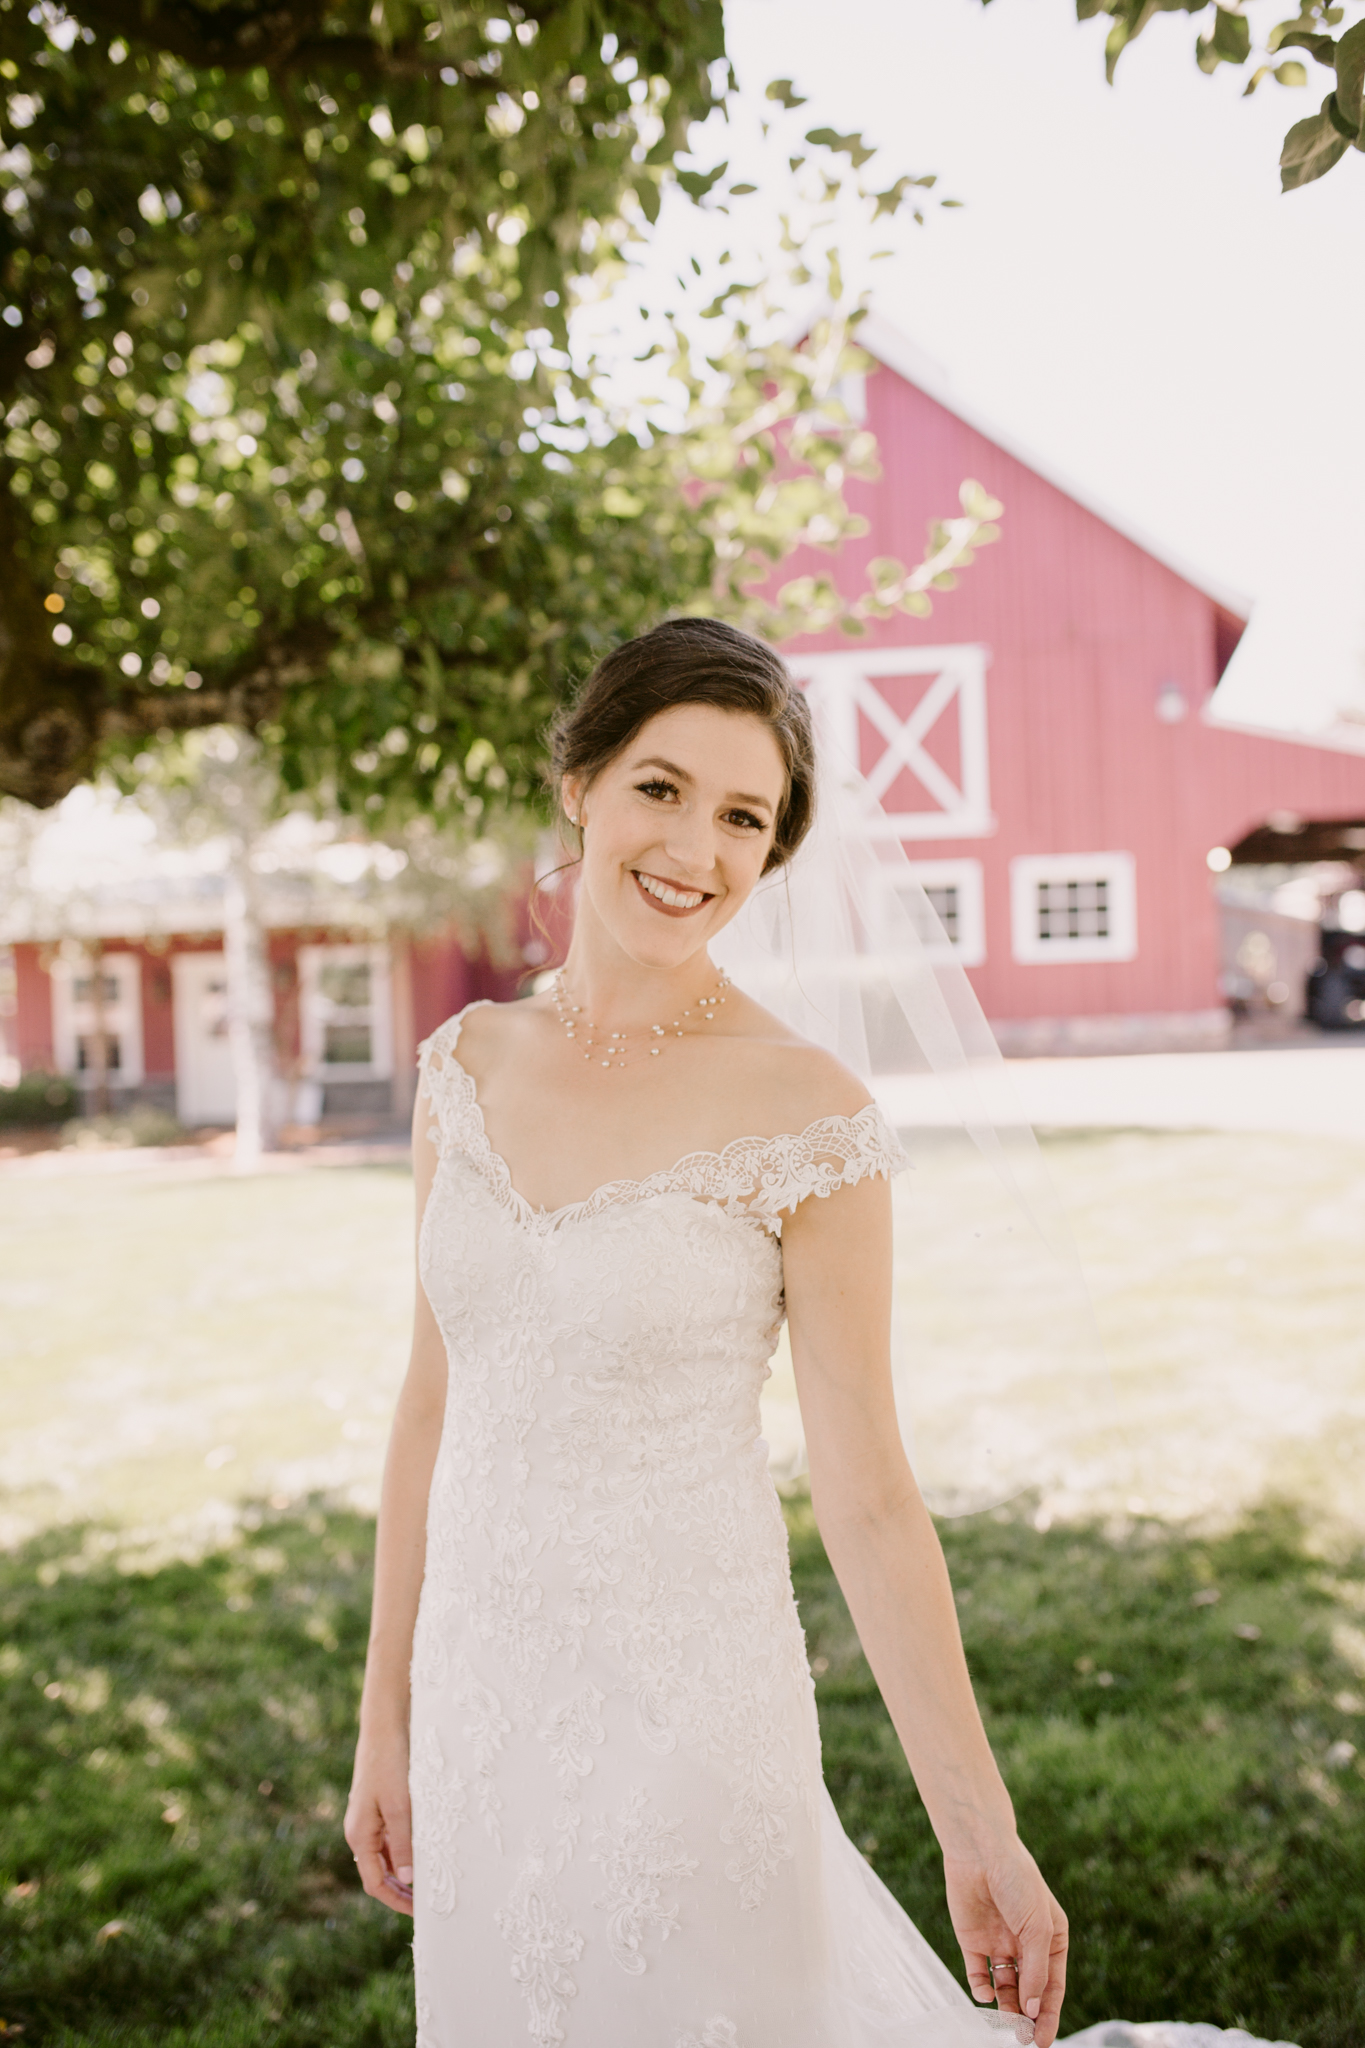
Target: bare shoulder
(795, 1082)
(490, 1033)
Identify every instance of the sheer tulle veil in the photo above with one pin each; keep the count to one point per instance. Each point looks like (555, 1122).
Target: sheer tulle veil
(1000, 1381)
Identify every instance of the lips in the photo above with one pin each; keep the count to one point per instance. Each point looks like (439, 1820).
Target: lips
(668, 897)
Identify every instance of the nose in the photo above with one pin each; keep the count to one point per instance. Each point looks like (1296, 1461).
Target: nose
(690, 842)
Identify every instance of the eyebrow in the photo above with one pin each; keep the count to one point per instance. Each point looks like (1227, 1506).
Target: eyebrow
(735, 796)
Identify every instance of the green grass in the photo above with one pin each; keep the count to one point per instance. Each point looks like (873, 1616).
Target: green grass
(173, 1768)
(1177, 1781)
(175, 1747)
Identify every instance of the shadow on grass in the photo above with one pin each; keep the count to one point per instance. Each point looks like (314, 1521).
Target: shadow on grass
(175, 1747)
(1175, 1724)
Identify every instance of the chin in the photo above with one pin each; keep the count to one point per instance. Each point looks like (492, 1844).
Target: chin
(659, 942)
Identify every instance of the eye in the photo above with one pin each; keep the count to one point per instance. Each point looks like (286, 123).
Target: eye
(746, 820)
(658, 787)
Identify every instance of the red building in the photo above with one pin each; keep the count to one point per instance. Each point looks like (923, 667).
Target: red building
(1044, 745)
(352, 995)
(1044, 742)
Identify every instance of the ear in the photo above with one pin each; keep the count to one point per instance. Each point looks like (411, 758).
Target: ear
(571, 799)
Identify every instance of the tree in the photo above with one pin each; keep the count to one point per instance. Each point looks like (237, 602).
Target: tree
(295, 440)
(1312, 146)
(365, 225)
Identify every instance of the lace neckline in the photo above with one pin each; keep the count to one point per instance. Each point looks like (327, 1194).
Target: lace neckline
(704, 1171)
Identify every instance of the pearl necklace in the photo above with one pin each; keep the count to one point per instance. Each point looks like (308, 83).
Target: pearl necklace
(615, 1043)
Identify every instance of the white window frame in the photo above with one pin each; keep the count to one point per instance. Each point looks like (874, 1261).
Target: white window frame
(967, 878)
(314, 1013)
(842, 685)
(122, 1018)
(1118, 870)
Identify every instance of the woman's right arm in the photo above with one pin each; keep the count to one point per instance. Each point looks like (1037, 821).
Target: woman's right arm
(378, 1814)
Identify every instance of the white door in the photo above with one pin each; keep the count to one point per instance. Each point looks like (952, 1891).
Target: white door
(205, 1092)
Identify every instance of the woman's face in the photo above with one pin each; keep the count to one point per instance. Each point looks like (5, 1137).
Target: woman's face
(676, 829)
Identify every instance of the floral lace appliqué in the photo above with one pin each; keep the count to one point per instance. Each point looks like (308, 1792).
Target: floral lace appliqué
(717, 2033)
(438, 1802)
(543, 1945)
(640, 1853)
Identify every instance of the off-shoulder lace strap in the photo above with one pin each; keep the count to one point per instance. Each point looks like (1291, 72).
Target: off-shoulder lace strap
(447, 1087)
(834, 1152)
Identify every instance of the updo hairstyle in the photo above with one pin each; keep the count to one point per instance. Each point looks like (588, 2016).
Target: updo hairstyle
(691, 661)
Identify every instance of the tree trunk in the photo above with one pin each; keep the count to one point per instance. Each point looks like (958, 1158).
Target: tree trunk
(250, 1007)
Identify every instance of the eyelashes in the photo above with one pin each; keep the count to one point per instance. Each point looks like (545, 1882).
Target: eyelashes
(659, 788)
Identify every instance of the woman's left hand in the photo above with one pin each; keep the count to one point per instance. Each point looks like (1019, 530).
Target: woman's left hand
(1012, 1933)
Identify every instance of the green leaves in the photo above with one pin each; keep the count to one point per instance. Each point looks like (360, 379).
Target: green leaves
(1350, 93)
(293, 441)
(851, 146)
(895, 195)
(1312, 146)
(279, 337)
(696, 184)
(1230, 42)
(1310, 149)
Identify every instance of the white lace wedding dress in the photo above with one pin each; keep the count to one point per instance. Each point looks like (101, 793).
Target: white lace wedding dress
(622, 1835)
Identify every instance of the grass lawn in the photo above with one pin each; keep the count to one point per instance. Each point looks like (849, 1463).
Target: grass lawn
(176, 1746)
(179, 1668)
(170, 1345)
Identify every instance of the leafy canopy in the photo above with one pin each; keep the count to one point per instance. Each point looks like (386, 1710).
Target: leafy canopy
(295, 440)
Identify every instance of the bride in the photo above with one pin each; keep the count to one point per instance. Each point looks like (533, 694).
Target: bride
(589, 1762)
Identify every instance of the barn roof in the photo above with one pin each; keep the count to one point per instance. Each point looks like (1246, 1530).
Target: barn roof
(880, 339)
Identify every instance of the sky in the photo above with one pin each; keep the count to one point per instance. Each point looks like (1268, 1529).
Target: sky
(1124, 289)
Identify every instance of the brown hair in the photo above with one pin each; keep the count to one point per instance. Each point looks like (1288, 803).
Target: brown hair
(692, 661)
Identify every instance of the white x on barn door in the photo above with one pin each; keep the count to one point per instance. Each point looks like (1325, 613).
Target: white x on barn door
(843, 689)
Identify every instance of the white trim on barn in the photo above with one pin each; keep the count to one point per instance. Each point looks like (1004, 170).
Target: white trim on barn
(895, 351)
(842, 687)
(73, 1017)
(956, 889)
(1073, 907)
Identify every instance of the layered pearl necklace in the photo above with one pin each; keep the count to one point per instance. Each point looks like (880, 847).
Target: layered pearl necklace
(615, 1044)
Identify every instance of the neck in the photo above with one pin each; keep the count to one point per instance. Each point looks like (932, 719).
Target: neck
(617, 991)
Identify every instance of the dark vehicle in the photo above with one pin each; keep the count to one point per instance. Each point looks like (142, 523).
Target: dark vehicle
(1336, 985)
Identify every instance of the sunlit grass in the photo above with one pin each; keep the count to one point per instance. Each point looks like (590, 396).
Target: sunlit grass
(170, 1345)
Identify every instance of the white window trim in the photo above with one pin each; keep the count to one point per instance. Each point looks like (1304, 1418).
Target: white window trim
(1119, 870)
(122, 1018)
(841, 685)
(312, 960)
(967, 878)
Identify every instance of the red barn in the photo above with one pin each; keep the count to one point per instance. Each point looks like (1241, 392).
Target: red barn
(1043, 742)
(1042, 745)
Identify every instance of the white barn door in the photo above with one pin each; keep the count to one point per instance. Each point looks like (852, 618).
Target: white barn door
(205, 1090)
(927, 761)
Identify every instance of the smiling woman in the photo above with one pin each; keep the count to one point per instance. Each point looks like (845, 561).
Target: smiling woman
(589, 1762)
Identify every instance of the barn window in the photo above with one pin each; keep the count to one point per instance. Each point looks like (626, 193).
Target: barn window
(1073, 907)
(957, 898)
(344, 1016)
(81, 1010)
